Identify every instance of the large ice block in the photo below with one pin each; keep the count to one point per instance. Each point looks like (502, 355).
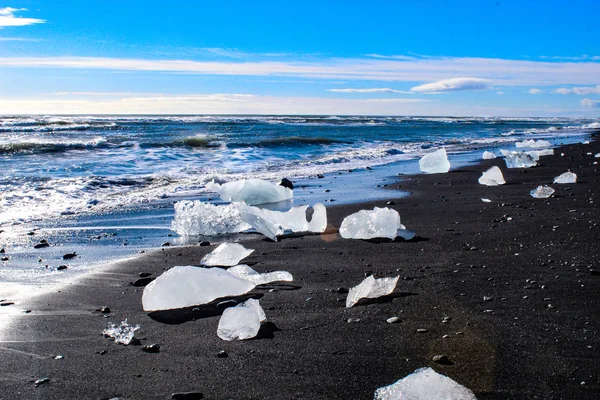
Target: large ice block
(425, 384)
(251, 191)
(199, 218)
(488, 155)
(226, 255)
(492, 177)
(245, 272)
(435, 163)
(542, 192)
(371, 288)
(567, 177)
(190, 286)
(370, 224)
(518, 159)
(242, 321)
(533, 144)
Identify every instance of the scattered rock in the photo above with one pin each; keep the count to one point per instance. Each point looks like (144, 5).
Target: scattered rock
(61, 267)
(6, 303)
(2, 251)
(286, 183)
(442, 359)
(222, 354)
(141, 282)
(342, 290)
(5, 258)
(166, 244)
(144, 274)
(390, 203)
(69, 256)
(187, 396)
(204, 243)
(42, 244)
(151, 348)
(105, 310)
(42, 381)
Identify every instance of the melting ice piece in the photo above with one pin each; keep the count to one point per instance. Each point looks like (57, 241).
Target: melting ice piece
(371, 288)
(567, 177)
(597, 155)
(406, 234)
(190, 286)
(492, 177)
(425, 384)
(517, 159)
(245, 272)
(199, 218)
(536, 154)
(533, 144)
(122, 333)
(486, 200)
(318, 222)
(226, 255)
(251, 191)
(542, 192)
(242, 321)
(370, 224)
(435, 163)
(488, 155)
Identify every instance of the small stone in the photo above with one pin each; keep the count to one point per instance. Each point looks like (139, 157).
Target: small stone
(151, 348)
(342, 290)
(422, 330)
(442, 359)
(2, 251)
(144, 274)
(487, 298)
(69, 256)
(166, 244)
(42, 381)
(204, 243)
(5, 258)
(393, 320)
(61, 267)
(141, 282)
(6, 303)
(222, 354)
(187, 396)
(390, 203)
(105, 310)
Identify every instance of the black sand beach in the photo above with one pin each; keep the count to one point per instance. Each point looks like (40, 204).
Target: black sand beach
(518, 279)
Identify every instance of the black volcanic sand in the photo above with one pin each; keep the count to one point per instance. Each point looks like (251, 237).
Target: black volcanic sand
(517, 278)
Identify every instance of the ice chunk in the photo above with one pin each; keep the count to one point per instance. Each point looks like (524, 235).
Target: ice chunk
(542, 192)
(371, 288)
(486, 200)
(190, 286)
(536, 154)
(597, 155)
(245, 272)
(370, 224)
(405, 234)
(517, 159)
(318, 223)
(251, 191)
(435, 163)
(488, 155)
(567, 177)
(122, 333)
(199, 218)
(242, 321)
(492, 177)
(425, 384)
(533, 144)
(226, 255)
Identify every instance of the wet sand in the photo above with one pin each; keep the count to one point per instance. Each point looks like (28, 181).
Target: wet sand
(536, 334)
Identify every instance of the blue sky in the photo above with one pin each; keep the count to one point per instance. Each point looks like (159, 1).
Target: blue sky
(504, 58)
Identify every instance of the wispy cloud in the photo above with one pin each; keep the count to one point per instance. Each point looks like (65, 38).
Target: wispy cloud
(392, 57)
(372, 90)
(590, 103)
(18, 39)
(535, 91)
(452, 85)
(582, 91)
(231, 53)
(8, 18)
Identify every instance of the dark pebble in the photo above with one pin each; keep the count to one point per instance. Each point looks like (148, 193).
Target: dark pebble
(105, 310)
(390, 203)
(320, 176)
(342, 290)
(204, 243)
(41, 245)
(141, 282)
(286, 183)
(2, 251)
(144, 274)
(151, 348)
(69, 256)
(442, 359)
(6, 303)
(5, 258)
(222, 354)
(167, 244)
(187, 396)
(61, 267)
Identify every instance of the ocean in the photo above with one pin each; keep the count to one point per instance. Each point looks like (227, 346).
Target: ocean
(104, 186)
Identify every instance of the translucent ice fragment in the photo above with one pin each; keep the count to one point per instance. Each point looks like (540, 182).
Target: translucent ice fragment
(190, 286)
(486, 200)
(536, 154)
(405, 234)
(518, 159)
(199, 218)
(245, 272)
(242, 321)
(122, 333)
(371, 288)
(542, 192)
(533, 144)
(597, 155)
(370, 224)
(567, 177)
(492, 177)
(435, 163)
(251, 191)
(424, 384)
(318, 223)
(488, 155)
(226, 255)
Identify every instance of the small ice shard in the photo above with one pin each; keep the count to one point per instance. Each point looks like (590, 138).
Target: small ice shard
(190, 286)
(251, 191)
(533, 144)
(597, 155)
(424, 384)
(199, 218)
(406, 234)
(371, 288)
(492, 177)
(542, 192)
(245, 272)
(370, 224)
(242, 321)
(518, 159)
(226, 255)
(567, 177)
(488, 155)
(122, 333)
(486, 200)
(435, 163)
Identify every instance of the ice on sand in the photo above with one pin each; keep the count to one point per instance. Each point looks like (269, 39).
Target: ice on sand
(488, 155)
(536, 154)
(242, 321)
(518, 159)
(370, 224)
(567, 177)
(435, 163)
(190, 286)
(492, 177)
(425, 384)
(533, 144)
(245, 272)
(486, 200)
(199, 218)
(542, 192)
(226, 255)
(122, 333)
(251, 191)
(371, 288)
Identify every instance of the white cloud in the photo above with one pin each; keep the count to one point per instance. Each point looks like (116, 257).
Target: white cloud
(535, 91)
(500, 93)
(582, 91)
(372, 90)
(452, 85)
(590, 103)
(8, 18)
